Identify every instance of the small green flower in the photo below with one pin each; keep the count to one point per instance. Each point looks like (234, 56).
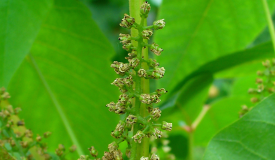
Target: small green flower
(166, 126)
(127, 21)
(159, 24)
(145, 9)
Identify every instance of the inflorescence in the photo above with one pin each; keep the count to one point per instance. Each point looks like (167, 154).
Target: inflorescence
(265, 85)
(17, 139)
(131, 73)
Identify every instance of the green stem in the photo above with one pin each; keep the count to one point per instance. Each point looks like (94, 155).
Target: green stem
(141, 85)
(270, 23)
(200, 117)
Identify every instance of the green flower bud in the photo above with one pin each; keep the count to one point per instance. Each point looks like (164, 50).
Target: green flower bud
(146, 34)
(131, 55)
(259, 81)
(111, 106)
(252, 91)
(159, 24)
(108, 156)
(144, 158)
(152, 63)
(120, 108)
(254, 100)
(131, 119)
(120, 68)
(83, 157)
(133, 63)
(145, 9)
(155, 99)
(112, 146)
(161, 91)
(124, 38)
(127, 46)
(93, 151)
(156, 113)
(156, 49)
(123, 98)
(72, 148)
(117, 155)
(157, 133)
(142, 73)
(128, 81)
(266, 63)
(127, 21)
(145, 98)
(154, 157)
(138, 136)
(166, 126)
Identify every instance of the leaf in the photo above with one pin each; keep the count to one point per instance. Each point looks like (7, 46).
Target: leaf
(197, 32)
(20, 23)
(190, 99)
(64, 84)
(220, 114)
(262, 51)
(251, 137)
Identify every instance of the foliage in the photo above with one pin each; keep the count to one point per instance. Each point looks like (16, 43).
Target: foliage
(55, 57)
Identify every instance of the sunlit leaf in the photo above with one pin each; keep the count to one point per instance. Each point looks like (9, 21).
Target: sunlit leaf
(64, 83)
(197, 32)
(19, 25)
(251, 137)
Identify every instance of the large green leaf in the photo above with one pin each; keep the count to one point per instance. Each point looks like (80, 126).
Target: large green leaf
(251, 137)
(64, 83)
(223, 63)
(197, 32)
(19, 25)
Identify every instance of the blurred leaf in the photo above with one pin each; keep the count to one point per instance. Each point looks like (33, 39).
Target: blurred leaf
(242, 70)
(4, 155)
(190, 99)
(197, 32)
(20, 23)
(251, 137)
(179, 145)
(220, 114)
(241, 85)
(259, 52)
(64, 84)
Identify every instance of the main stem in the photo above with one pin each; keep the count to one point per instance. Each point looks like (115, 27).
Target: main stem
(141, 85)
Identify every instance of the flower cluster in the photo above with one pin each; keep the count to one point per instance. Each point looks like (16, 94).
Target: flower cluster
(133, 74)
(21, 140)
(265, 84)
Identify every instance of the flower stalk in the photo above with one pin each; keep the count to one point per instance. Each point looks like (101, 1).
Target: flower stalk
(136, 101)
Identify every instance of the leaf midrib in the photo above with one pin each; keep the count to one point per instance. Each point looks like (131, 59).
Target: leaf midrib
(57, 106)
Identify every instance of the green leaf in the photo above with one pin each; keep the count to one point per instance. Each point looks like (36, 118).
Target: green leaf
(189, 101)
(197, 32)
(259, 52)
(64, 84)
(20, 23)
(220, 114)
(251, 137)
